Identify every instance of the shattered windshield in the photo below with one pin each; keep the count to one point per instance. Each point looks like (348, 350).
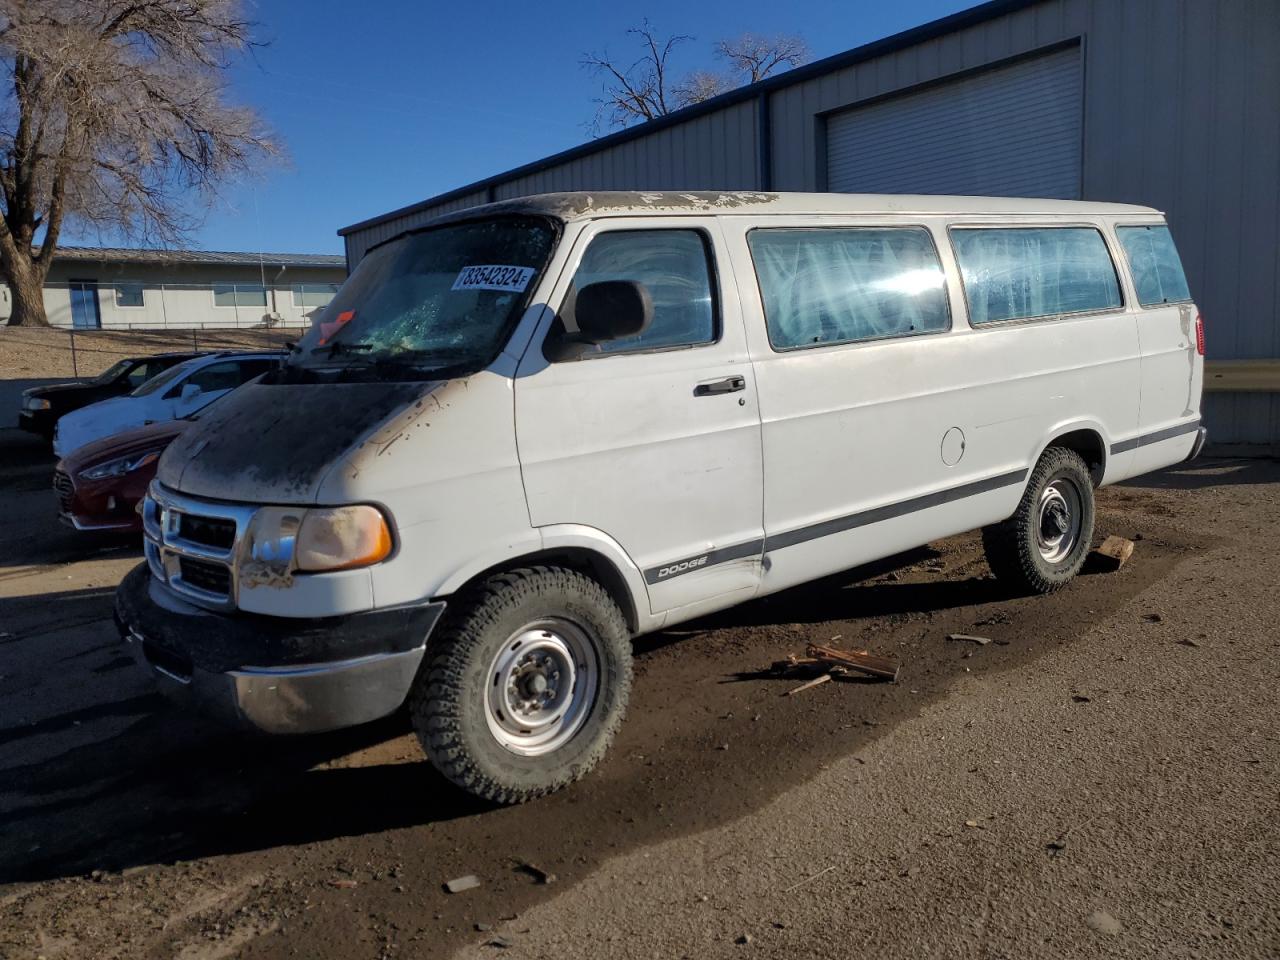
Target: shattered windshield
(443, 299)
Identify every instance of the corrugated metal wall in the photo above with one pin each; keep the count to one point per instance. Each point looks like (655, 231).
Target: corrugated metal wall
(1181, 100)
(1009, 131)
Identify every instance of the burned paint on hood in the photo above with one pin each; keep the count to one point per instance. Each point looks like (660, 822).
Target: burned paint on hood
(276, 443)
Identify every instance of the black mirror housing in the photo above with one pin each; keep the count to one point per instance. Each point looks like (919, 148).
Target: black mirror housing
(612, 310)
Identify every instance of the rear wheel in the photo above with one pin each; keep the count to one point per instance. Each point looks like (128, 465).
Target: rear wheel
(526, 685)
(1043, 545)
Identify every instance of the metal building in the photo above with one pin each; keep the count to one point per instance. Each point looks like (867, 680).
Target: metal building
(1170, 103)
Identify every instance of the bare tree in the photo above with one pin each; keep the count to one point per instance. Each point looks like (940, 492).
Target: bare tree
(115, 116)
(753, 57)
(637, 92)
(646, 90)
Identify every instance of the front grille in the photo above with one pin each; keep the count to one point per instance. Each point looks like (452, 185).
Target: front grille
(204, 575)
(208, 531)
(63, 487)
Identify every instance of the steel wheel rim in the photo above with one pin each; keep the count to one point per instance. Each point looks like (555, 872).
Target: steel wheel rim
(1059, 520)
(541, 687)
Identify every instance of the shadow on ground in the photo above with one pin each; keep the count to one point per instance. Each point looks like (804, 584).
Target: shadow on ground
(118, 778)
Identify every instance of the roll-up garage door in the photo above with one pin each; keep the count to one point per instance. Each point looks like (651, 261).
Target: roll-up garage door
(1011, 131)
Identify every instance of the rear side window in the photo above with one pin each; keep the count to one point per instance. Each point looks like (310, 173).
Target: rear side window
(675, 267)
(1153, 260)
(1018, 273)
(217, 376)
(841, 285)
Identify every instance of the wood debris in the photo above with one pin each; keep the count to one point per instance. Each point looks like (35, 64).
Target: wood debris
(980, 641)
(1113, 553)
(816, 681)
(859, 660)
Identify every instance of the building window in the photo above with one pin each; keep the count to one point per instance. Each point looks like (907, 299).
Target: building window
(843, 285)
(239, 295)
(313, 294)
(129, 295)
(1022, 273)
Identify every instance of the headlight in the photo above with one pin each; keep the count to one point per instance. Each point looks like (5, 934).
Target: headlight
(318, 539)
(338, 538)
(120, 466)
(37, 403)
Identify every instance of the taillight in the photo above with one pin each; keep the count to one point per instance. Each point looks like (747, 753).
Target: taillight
(1199, 335)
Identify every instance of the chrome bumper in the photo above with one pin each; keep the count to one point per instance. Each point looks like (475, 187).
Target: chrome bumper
(274, 674)
(304, 698)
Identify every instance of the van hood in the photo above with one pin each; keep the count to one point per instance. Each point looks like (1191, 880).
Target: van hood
(276, 443)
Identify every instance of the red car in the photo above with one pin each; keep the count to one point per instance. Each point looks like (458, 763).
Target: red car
(99, 485)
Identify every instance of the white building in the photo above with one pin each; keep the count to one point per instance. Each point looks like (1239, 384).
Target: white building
(117, 288)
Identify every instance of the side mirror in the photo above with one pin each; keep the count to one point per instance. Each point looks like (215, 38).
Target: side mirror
(603, 312)
(189, 392)
(612, 310)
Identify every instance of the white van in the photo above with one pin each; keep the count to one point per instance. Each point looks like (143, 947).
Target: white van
(529, 431)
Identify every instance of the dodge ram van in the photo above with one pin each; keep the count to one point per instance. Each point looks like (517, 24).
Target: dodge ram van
(524, 433)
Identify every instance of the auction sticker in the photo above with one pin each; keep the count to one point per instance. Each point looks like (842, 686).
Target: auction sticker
(493, 276)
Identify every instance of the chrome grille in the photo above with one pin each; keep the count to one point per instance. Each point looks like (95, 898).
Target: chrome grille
(192, 544)
(65, 490)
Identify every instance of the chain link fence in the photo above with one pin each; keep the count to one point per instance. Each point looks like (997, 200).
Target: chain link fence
(34, 357)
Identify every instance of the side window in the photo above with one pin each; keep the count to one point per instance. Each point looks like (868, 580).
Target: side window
(252, 368)
(140, 374)
(841, 285)
(1017, 273)
(1156, 267)
(675, 267)
(216, 376)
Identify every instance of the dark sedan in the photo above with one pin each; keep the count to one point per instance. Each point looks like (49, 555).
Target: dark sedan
(42, 406)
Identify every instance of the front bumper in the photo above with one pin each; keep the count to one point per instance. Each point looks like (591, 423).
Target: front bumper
(99, 505)
(37, 421)
(274, 674)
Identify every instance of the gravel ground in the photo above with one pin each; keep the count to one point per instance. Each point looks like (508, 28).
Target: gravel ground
(1101, 784)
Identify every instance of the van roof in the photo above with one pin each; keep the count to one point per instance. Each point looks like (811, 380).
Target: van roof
(585, 205)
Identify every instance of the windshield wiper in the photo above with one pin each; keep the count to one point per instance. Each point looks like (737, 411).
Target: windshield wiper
(341, 346)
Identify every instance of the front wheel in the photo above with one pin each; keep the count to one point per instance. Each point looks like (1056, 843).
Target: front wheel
(526, 685)
(1043, 545)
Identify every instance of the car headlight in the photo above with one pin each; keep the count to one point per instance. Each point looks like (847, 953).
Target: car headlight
(318, 539)
(120, 466)
(37, 403)
(338, 538)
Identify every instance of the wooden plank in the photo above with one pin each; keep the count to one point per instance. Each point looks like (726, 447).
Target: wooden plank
(1242, 376)
(858, 660)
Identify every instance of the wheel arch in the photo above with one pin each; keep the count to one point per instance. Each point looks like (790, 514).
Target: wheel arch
(1085, 439)
(589, 552)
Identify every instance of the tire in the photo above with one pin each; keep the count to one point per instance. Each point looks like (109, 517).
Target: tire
(1030, 550)
(483, 670)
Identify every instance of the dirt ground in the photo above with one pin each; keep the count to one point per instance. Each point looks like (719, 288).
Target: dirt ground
(1100, 781)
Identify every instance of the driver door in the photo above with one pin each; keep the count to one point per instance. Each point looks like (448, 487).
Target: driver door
(655, 440)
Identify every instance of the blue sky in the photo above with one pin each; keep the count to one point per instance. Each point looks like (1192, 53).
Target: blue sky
(387, 102)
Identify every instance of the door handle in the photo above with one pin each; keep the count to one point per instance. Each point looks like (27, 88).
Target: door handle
(727, 385)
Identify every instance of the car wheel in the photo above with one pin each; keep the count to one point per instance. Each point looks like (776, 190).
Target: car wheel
(526, 685)
(1043, 545)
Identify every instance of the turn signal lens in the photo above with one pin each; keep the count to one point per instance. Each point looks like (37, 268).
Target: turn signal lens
(1199, 335)
(338, 538)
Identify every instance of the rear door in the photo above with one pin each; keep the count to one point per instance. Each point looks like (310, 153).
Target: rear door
(654, 441)
(1172, 367)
